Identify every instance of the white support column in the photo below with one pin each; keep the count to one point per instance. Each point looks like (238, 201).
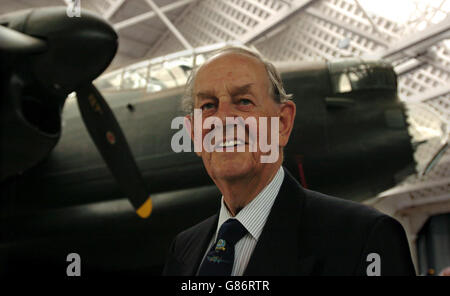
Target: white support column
(169, 24)
(408, 66)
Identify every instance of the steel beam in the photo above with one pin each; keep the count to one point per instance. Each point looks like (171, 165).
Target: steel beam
(429, 95)
(282, 16)
(374, 26)
(113, 9)
(254, 17)
(285, 2)
(148, 15)
(261, 6)
(169, 24)
(414, 45)
(429, 60)
(410, 188)
(408, 66)
(417, 62)
(319, 15)
(230, 19)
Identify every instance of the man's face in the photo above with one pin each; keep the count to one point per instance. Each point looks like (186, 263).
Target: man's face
(234, 85)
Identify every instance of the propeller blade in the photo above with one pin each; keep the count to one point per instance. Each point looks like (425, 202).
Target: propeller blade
(17, 42)
(110, 141)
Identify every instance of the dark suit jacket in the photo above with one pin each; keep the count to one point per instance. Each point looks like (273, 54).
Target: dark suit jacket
(307, 233)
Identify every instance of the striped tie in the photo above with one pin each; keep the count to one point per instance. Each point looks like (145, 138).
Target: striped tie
(220, 258)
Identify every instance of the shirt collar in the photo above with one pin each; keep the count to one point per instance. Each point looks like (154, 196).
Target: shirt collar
(254, 215)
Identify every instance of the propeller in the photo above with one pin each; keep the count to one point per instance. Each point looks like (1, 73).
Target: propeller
(55, 56)
(112, 144)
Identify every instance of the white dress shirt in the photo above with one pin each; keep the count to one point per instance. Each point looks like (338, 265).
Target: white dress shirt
(253, 217)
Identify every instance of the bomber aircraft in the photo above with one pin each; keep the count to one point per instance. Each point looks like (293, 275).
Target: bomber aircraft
(103, 182)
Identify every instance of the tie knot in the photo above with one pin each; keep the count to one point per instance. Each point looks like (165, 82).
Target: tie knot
(220, 258)
(231, 231)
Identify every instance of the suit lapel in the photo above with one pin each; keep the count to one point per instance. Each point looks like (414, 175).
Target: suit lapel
(200, 241)
(278, 251)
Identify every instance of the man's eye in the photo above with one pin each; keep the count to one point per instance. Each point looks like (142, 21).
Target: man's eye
(245, 102)
(207, 106)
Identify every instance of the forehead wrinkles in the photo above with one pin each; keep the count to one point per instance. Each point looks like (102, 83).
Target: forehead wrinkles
(230, 68)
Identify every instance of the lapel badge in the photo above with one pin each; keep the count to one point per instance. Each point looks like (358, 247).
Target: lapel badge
(220, 245)
(215, 259)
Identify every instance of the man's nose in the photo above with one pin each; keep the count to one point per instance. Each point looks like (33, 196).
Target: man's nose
(225, 109)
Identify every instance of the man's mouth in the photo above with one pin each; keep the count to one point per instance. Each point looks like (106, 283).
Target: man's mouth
(230, 143)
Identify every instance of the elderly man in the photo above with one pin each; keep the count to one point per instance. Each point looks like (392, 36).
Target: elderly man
(267, 223)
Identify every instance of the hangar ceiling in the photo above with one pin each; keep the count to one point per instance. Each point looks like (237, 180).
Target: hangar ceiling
(414, 35)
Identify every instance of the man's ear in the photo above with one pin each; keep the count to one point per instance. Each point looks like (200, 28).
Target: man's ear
(287, 116)
(189, 125)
